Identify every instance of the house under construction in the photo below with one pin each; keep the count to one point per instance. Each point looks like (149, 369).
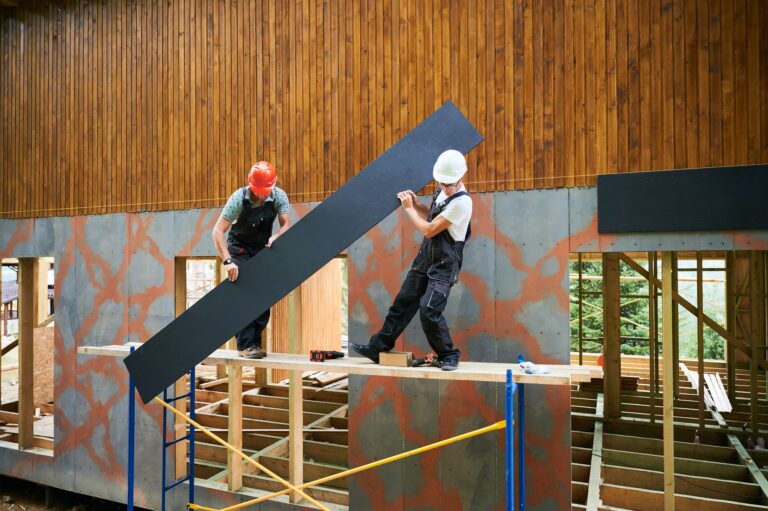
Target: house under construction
(618, 239)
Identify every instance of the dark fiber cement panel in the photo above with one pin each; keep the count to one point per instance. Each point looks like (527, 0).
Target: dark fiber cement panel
(327, 230)
(723, 198)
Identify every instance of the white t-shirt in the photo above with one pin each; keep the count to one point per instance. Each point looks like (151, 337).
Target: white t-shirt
(458, 212)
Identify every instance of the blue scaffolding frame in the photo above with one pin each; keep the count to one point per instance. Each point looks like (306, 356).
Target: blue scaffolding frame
(190, 437)
(512, 388)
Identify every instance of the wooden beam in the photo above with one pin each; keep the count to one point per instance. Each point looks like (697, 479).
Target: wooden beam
(468, 371)
(179, 425)
(296, 434)
(744, 458)
(295, 398)
(631, 443)
(9, 417)
(321, 493)
(280, 447)
(235, 427)
(42, 306)
(700, 334)
(691, 467)
(730, 318)
(624, 497)
(8, 347)
(675, 332)
(757, 337)
(612, 335)
(653, 334)
(595, 471)
(711, 323)
(632, 421)
(704, 487)
(669, 370)
(27, 278)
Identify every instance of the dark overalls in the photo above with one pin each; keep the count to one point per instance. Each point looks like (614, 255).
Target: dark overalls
(248, 235)
(426, 288)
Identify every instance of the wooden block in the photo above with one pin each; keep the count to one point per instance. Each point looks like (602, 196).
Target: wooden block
(396, 358)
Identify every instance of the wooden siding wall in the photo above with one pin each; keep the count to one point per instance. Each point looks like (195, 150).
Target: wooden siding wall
(148, 105)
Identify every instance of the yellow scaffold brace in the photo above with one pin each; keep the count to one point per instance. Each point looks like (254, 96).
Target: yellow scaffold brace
(442, 443)
(240, 453)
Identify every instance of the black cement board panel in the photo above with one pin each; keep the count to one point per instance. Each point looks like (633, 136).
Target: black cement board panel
(331, 227)
(722, 198)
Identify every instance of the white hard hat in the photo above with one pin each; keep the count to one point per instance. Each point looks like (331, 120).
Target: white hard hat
(449, 167)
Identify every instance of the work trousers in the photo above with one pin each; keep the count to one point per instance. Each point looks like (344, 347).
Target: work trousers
(250, 336)
(429, 297)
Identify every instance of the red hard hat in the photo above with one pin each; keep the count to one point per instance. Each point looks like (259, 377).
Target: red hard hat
(262, 178)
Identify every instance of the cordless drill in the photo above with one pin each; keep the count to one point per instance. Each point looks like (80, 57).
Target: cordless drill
(323, 355)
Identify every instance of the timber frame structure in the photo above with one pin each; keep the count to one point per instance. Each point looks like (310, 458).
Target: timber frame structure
(302, 428)
(620, 424)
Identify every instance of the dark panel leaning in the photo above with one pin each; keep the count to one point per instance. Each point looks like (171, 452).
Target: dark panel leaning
(331, 227)
(723, 198)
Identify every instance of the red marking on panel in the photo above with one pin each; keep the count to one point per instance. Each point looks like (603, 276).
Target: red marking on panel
(76, 371)
(22, 234)
(203, 225)
(383, 266)
(371, 481)
(587, 235)
(749, 241)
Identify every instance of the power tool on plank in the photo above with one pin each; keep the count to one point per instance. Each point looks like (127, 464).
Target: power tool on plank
(430, 359)
(323, 355)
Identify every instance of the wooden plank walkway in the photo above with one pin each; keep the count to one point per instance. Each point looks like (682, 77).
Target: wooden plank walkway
(467, 371)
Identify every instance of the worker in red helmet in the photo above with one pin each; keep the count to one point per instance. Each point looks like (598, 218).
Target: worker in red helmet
(249, 215)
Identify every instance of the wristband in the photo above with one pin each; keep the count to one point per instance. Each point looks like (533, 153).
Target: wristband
(228, 260)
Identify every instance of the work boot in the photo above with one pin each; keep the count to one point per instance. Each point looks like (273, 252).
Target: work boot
(450, 364)
(252, 352)
(367, 351)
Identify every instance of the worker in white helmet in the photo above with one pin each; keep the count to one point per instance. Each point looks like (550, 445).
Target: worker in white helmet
(446, 228)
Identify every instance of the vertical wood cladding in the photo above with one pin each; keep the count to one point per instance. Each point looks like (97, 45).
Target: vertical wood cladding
(149, 105)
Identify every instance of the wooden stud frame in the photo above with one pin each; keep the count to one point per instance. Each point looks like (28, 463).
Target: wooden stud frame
(668, 327)
(612, 335)
(28, 276)
(179, 426)
(700, 334)
(731, 306)
(653, 334)
(296, 401)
